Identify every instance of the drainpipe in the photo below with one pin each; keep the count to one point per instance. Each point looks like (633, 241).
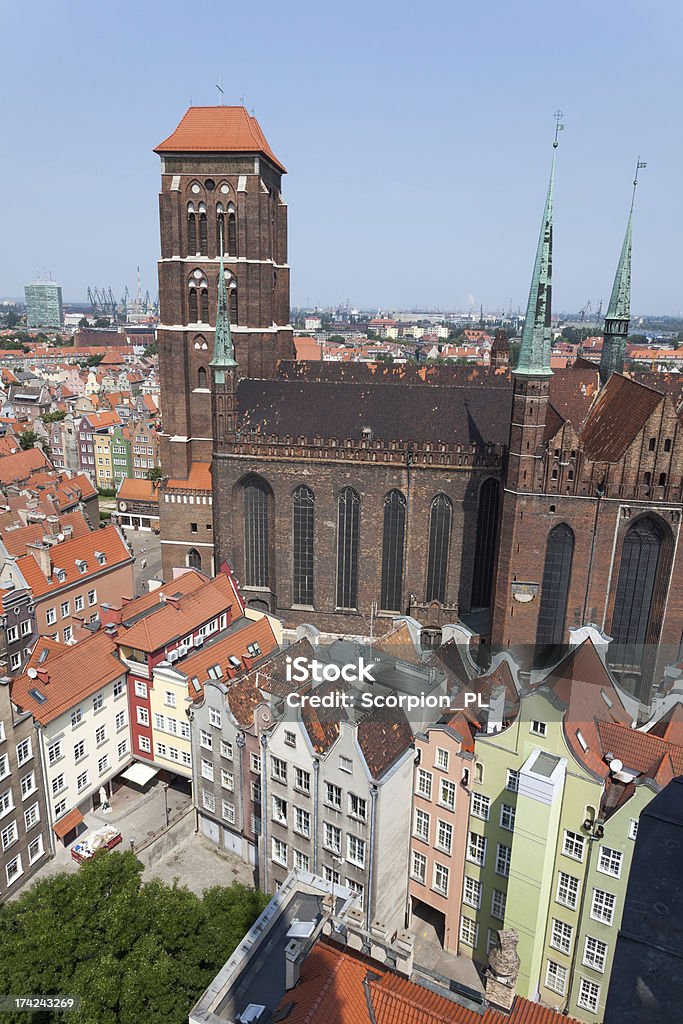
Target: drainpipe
(371, 859)
(240, 741)
(316, 784)
(592, 838)
(264, 809)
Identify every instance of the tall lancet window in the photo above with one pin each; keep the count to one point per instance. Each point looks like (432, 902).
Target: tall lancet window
(232, 230)
(303, 515)
(640, 558)
(194, 310)
(440, 516)
(233, 302)
(220, 228)
(256, 494)
(485, 550)
(393, 544)
(191, 230)
(348, 536)
(204, 294)
(555, 586)
(203, 231)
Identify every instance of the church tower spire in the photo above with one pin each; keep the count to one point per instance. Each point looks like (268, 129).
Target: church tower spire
(223, 349)
(534, 353)
(615, 333)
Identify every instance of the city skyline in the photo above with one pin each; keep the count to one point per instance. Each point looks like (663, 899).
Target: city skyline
(394, 146)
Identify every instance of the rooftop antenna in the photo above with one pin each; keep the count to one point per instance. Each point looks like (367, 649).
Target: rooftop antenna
(219, 89)
(242, 99)
(639, 163)
(559, 126)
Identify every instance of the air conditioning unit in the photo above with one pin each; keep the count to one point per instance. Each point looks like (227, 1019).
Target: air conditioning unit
(172, 656)
(198, 641)
(182, 650)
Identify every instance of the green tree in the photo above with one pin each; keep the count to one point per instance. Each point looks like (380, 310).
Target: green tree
(154, 473)
(134, 953)
(28, 439)
(53, 417)
(84, 322)
(102, 321)
(151, 350)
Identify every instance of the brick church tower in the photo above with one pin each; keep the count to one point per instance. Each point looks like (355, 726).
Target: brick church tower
(516, 608)
(220, 191)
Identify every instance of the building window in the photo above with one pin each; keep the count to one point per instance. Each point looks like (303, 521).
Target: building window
(79, 603)
(302, 822)
(498, 901)
(573, 845)
(145, 745)
(561, 936)
(422, 825)
(481, 806)
(194, 559)
(194, 309)
(507, 817)
(98, 702)
(226, 750)
(555, 977)
(122, 749)
(120, 720)
(357, 889)
(355, 850)
(485, 551)
(79, 751)
(142, 716)
(471, 892)
(633, 828)
(232, 233)
(393, 543)
(76, 717)
(602, 906)
(255, 763)
(203, 234)
(424, 783)
(440, 515)
(476, 849)
(469, 931)
(31, 816)
(418, 866)
(440, 879)
(567, 890)
(103, 764)
(278, 769)
(83, 781)
(54, 751)
(333, 796)
(14, 870)
(303, 516)
(589, 995)
(441, 759)
(503, 857)
(228, 811)
(555, 586)
(595, 954)
(447, 793)
(640, 557)
(358, 807)
(227, 779)
(609, 861)
(58, 784)
(9, 835)
(538, 728)
(205, 739)
(256, 497)
(207, 769)
(24, 751)
(331, 875)
(208, 800)
(302, 780)
(332, 837)
(348, 531)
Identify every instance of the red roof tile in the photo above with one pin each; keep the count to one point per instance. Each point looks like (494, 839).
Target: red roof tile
(176, 619)
(18, 468)
(248, 631)
(199, 479)
(621, 411)
(108, 542)
(218, 130)
(72, 674)
(640, 751)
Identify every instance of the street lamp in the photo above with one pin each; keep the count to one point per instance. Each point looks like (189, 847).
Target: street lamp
(165, 788)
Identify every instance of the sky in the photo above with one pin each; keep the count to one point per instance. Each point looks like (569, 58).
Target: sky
(417, 138)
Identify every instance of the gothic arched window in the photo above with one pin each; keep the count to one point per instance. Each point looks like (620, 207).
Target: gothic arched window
(440, 516)
(232, 231)
(393, 542)
(303, 511)
(194, 559)
(485, 550)
(256, 495)
(201, 377)
(233, 303)
(194, 312)
(555, 586)
(348, 532)
(635, 591)
(191, 230)
(203, 233)
(204, 292)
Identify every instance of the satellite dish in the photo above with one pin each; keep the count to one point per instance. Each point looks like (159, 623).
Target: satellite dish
(616, 765)
(32, 673)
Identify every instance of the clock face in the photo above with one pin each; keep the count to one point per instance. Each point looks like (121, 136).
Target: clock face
(225, 189)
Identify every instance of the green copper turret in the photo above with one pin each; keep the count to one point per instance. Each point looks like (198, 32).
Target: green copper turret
(534, 353)
(615, 334)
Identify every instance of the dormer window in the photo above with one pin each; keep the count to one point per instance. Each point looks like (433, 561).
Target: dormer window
(81, 565)
(101, 557)
(61, 575)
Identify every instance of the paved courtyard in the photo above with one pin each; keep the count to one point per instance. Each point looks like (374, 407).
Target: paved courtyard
(146, 547)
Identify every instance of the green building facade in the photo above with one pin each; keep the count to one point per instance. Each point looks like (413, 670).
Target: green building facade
(122, 466)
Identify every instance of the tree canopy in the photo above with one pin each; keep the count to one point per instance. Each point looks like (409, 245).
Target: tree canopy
(134, 952)
(27, 439)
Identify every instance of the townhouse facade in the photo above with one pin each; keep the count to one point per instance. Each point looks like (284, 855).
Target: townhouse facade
(17, 621)
(25, 841)
(71, 580)
(76, 697)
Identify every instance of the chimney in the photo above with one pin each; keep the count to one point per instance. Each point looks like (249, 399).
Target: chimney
(173, 601)
(52, 526)
(41, 553)
(503, 969)
(43, 675)
(68, 531)
(496, 711)
(294, 956)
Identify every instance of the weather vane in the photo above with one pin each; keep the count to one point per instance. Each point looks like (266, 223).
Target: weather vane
(639, 163)
(559, 126)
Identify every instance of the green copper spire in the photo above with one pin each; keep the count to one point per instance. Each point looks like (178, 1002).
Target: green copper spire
(534, 353)
(223, 351)
(615, 334)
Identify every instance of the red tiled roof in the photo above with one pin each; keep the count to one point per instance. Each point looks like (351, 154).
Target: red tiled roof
(235, 644)
(199, 479)
(66, 824)
(621, 411)
(138, 490)
(73, 673)
(337, 987)
(383, 737)
(670, 726)
(18, 468)
(100, 420)
(65, 556)
(307, 348)
(16, 540)
(218, 130)
(246, 692)
(169, 622)
(182, 585)
(640, 751)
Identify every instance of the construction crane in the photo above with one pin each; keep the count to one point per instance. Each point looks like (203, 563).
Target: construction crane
(586, 309)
